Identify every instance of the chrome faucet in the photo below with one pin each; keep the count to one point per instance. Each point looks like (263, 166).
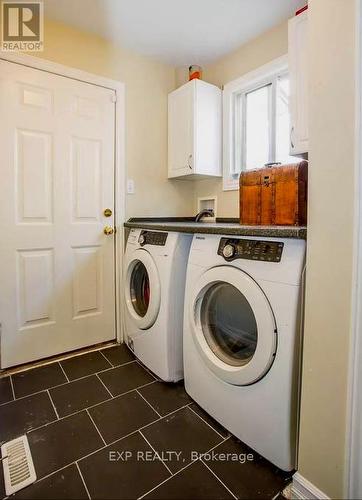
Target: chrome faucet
(207, 212)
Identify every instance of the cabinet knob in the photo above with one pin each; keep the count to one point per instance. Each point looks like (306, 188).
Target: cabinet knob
(189, 161)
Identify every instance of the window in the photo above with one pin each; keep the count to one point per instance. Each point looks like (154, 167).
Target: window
(256, 121)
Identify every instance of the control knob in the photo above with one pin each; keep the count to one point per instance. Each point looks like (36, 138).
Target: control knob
(141, 239)
(228, 251)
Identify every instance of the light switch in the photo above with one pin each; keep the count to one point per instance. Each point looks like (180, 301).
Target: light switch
(130, 186)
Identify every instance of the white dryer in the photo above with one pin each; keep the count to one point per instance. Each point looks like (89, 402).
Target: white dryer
(241, 338)
(155, 273)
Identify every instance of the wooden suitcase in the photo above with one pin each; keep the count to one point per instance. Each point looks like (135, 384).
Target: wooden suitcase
(274, 195)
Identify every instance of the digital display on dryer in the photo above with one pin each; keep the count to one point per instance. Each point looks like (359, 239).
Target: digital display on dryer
(152, 238)
(267, 251)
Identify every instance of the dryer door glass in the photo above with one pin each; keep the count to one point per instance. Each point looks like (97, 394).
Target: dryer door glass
(229, 324)
(140, 289)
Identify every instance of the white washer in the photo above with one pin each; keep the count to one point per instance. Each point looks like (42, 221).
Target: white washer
(155, 273)
(241, 338)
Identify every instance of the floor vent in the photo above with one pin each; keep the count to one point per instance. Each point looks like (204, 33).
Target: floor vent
(287, 492)
(18, 465)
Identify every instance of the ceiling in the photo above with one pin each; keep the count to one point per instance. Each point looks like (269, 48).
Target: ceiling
(177, 32)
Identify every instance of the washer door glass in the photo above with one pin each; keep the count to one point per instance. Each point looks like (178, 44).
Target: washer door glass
(140, 289)
(229, 324)
(232, 325)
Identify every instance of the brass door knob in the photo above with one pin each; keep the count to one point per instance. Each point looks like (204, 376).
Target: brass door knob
(108, 230)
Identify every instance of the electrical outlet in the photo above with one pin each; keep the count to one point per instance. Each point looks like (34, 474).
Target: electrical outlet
(130, 186)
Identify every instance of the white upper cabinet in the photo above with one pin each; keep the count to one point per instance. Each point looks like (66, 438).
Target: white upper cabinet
(194, 131)
(298, 69)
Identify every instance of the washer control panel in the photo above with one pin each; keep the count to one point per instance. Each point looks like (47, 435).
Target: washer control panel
(152, 238)
(268, 251)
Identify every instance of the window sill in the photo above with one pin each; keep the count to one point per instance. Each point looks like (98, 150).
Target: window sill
(230, 184)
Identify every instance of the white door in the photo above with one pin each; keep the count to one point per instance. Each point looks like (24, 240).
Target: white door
(57, 268)
(181, 130)
(233, 325)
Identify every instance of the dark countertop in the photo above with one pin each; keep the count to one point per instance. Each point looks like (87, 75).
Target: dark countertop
(221, 226)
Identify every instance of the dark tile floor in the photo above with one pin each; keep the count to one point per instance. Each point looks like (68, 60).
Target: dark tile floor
(101, 426)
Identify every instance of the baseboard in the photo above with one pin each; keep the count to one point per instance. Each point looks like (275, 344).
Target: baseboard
(302, 489)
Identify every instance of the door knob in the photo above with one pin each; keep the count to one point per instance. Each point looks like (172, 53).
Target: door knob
(108, 230)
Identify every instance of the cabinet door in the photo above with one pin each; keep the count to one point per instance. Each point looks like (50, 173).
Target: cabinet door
(208, 129)
(180, 131)
(298, 68)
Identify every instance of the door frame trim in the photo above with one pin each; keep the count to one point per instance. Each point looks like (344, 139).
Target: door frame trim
(353, 456)
(119, 167)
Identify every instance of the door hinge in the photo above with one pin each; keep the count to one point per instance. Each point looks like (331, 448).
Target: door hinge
(114, 97)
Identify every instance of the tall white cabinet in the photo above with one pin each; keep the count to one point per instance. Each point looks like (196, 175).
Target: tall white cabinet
(298, 71)
(194, 131)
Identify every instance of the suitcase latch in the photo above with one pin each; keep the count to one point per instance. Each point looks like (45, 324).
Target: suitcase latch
(266, 180)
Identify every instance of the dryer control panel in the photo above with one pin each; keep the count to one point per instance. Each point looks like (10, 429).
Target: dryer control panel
(233, 248)
(152, 238)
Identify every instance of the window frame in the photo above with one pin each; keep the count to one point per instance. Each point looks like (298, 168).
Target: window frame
(235, 93)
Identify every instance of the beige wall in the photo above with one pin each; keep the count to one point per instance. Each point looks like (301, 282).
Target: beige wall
(330, 232)
(147, 85)
(265, 48)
